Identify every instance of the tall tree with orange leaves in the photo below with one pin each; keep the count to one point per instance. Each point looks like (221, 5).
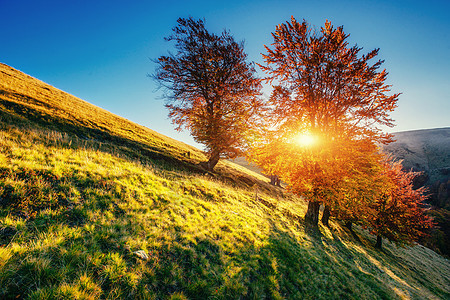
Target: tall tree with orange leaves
(325, 88)
(211, 89)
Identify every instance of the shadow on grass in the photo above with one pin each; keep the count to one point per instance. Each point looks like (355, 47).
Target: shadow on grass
(284, 265)
(322, 268)
(83, 130)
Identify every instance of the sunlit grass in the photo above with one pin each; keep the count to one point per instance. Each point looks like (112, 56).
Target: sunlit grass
(74, 209)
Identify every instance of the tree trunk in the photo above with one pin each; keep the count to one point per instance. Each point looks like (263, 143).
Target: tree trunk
(348, 224)
(312, 214)
(326, 216)
(274, 180)
(378, 245)
(212, 162)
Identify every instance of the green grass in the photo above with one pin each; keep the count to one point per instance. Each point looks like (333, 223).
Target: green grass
(81, 190)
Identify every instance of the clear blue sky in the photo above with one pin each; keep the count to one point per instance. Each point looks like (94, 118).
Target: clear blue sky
(100, 50)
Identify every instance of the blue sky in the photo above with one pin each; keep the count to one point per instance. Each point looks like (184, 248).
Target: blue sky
(100, 50)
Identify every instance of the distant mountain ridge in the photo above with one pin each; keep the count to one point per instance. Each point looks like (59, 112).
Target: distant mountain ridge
(426, 150)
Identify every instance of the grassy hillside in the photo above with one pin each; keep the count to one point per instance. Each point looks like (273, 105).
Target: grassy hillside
(82, 190)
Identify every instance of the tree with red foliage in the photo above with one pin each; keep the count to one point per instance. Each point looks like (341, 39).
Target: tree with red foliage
(325, 88)
(211, 89)
(397, 213)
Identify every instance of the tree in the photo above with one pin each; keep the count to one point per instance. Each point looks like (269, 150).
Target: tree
(354, 192)
(397, 214)
(325, 88)
(336, 172)
(211, 88)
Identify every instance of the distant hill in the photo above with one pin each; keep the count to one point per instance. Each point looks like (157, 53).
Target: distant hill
(428, 151)
(425, 150)
(94, 206)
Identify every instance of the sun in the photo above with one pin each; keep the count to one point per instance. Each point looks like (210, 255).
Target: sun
(305, 139)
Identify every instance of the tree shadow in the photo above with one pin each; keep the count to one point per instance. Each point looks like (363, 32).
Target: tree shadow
(22, 115)
(312, 230)
(320, 266)
(170, 159)
(282, 265)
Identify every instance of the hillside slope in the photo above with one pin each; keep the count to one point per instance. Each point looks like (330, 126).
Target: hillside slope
(424, 150)
(94, 206)
(427, 151)
(36, 101)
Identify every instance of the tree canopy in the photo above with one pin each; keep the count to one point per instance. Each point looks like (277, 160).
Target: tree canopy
(323, 85)
(325, 88)
(211, 88)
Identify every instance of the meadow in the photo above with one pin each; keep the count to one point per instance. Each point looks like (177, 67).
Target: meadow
(82, 191)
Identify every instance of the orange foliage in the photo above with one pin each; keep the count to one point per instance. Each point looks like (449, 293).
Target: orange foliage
(397, 212)
(211, 89)
(323, 86)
